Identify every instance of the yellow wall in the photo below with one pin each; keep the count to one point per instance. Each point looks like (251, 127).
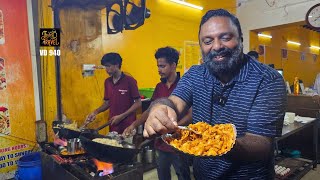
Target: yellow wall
(306, 69)
(170, 24)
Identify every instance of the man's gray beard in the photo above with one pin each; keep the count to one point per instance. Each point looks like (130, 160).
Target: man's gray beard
(226, 67)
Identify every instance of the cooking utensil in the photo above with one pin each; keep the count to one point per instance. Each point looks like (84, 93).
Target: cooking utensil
(169, 137)
(66, 133)
(149, 155)
(72, 155)
(61, 151)
(189, 129)
(110, 153)
(85, 125)
(140, 129)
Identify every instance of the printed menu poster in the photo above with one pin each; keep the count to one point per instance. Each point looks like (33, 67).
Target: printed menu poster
(3, 81)
(192, 54)
(1, 28)
(180, 64)
(4, 120)
(17, 102)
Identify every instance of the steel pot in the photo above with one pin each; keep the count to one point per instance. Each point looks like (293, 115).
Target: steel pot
(140, 130)
(149, 155)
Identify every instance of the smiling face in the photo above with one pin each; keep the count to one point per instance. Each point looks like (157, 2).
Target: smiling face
(221, 45)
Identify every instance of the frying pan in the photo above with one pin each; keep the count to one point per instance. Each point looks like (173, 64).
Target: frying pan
(110, 153)
(169, 137)
(49, 148)
(72, 155)
(57, 126)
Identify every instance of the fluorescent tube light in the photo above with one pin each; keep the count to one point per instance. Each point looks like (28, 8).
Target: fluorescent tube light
(264, 35)
(187, 4)
(315, 47)
(295, 43)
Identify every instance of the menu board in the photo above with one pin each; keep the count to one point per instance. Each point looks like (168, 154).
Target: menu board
(17, 103)
(180, 64)
(4, 119)
(3, 80)
(1, 28)
(192, 54)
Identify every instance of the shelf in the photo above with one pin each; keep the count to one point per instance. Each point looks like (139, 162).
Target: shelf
(298, 167)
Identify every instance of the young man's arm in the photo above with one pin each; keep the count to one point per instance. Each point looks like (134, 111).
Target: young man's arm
(129, 131)
(117, 119)
(92, 116)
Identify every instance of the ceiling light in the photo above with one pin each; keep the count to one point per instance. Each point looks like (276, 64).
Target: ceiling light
(295, 43)
(315, 47)
(264, 35)
(187, 4)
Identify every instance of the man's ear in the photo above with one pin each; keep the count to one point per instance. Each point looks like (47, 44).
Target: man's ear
(174, 64)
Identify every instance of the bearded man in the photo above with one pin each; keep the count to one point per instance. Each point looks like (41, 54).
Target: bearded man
(229, 87)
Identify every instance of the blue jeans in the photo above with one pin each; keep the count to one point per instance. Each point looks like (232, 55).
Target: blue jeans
(164, 161)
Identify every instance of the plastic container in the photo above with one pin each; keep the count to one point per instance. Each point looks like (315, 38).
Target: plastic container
(29, 167)
(147, 92)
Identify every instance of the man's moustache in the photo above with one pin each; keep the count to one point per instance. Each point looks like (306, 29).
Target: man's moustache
(221, 52)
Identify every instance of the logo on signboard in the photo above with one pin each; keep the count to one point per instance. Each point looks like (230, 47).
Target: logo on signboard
(49, 37)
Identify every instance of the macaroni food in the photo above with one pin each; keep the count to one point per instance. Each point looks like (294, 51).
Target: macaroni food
(72, 126)
(214, 140)
(107, 141)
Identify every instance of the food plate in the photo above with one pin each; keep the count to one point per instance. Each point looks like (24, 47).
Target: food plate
(214, 140)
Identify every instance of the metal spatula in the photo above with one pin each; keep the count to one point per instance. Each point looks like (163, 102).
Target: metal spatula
(84, 125)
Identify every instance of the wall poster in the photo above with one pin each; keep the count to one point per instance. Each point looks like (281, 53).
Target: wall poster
(17, 102)
(4, 119)
(2, 38)
(302, 56)
(261, 50)
(3, 80)
(180, 64)
(284, 53)
(192, 54)
(314, 57)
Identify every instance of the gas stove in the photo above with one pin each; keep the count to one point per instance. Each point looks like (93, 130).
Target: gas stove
(85, 167)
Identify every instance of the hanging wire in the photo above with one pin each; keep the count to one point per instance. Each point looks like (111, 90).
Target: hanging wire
(273, 2)
(285, 10)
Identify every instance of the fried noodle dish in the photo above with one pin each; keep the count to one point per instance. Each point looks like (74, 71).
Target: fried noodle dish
(72, 126)
(214, 140)
(106, 141)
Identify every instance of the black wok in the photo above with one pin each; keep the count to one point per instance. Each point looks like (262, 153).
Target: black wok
(110, 153)
(66, 133)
